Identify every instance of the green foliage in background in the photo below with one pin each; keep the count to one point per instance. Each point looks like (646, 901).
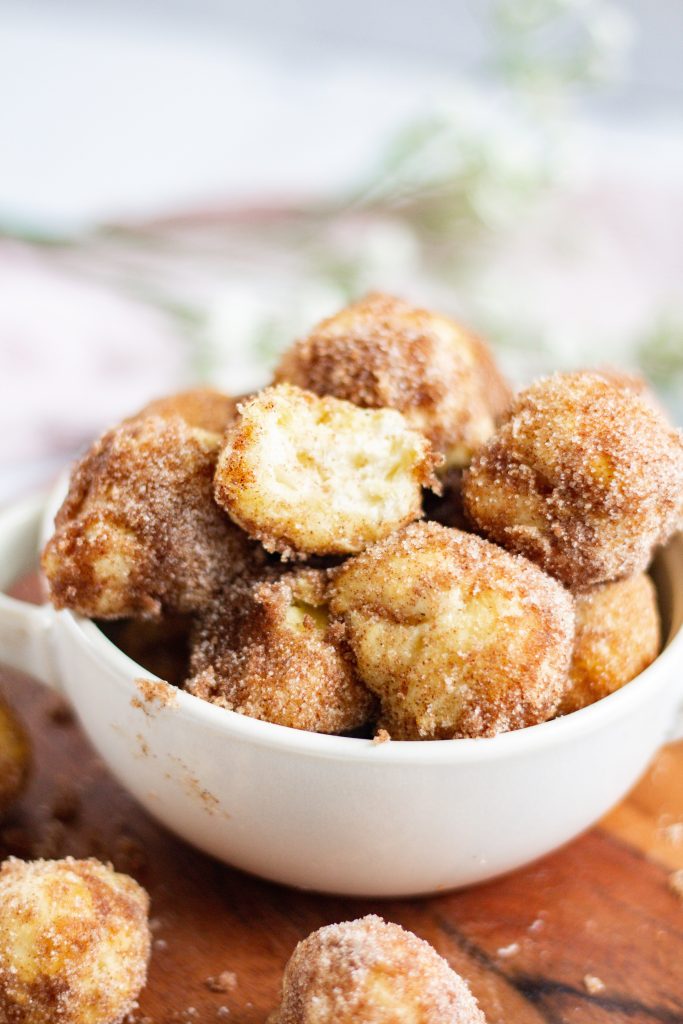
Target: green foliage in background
(438, 206)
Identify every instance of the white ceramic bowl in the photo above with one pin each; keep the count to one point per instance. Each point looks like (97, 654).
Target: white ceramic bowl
(338, 814)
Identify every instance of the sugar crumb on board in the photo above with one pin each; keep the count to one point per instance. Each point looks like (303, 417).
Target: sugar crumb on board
(593, 985)
(226, 981)
(673, 833)
(381, 736)
(507, 951)
(187, 1016)
(676, 883)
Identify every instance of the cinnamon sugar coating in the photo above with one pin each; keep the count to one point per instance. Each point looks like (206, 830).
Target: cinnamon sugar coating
(205, 408)
(139, 532)
(618, 634)
(454, 635)
(630, 381)
(319, 476)
(638, 384)
(584, 477)
(371, 972)
(383, 353)
(74, 942)
(268, 650)
(15, 757)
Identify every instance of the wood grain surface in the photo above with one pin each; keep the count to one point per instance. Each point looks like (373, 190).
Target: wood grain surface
(590, 935)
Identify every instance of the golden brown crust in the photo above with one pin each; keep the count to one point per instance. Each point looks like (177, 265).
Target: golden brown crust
(383, 353)
(319, 476)
(74, 942)
(454, 635)
(371, 972)
(268, 650)
(583, 477)
(204, 408)
(139, 531)
(618, 634)
(15, 757)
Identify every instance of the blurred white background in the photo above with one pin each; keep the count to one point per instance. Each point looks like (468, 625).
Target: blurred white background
(116, 108)
(518, 163)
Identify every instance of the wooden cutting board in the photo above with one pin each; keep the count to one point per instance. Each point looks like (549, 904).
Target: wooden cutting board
(590, 935)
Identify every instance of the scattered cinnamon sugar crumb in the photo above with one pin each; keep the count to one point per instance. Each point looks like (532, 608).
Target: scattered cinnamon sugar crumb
(226, 981)
(508, 951)
(381, 736)
(155, 691)
(673, 833)
(594, 985)
(142, 745)
(676, 883)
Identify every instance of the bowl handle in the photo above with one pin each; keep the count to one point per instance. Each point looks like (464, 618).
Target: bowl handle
(25, 629)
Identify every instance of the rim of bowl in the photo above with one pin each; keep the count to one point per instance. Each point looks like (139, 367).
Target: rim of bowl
(253, 730)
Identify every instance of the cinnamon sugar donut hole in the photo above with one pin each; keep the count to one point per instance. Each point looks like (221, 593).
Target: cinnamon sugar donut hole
(205, 408)
(584, 478)
(630, 381)
(319, 476)
(139, 532)
(74, 942)
(454, 635)
(618, 634)
(383, 353)
(371, 972)
(268, 650)
(638, 384)
(15, 757)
